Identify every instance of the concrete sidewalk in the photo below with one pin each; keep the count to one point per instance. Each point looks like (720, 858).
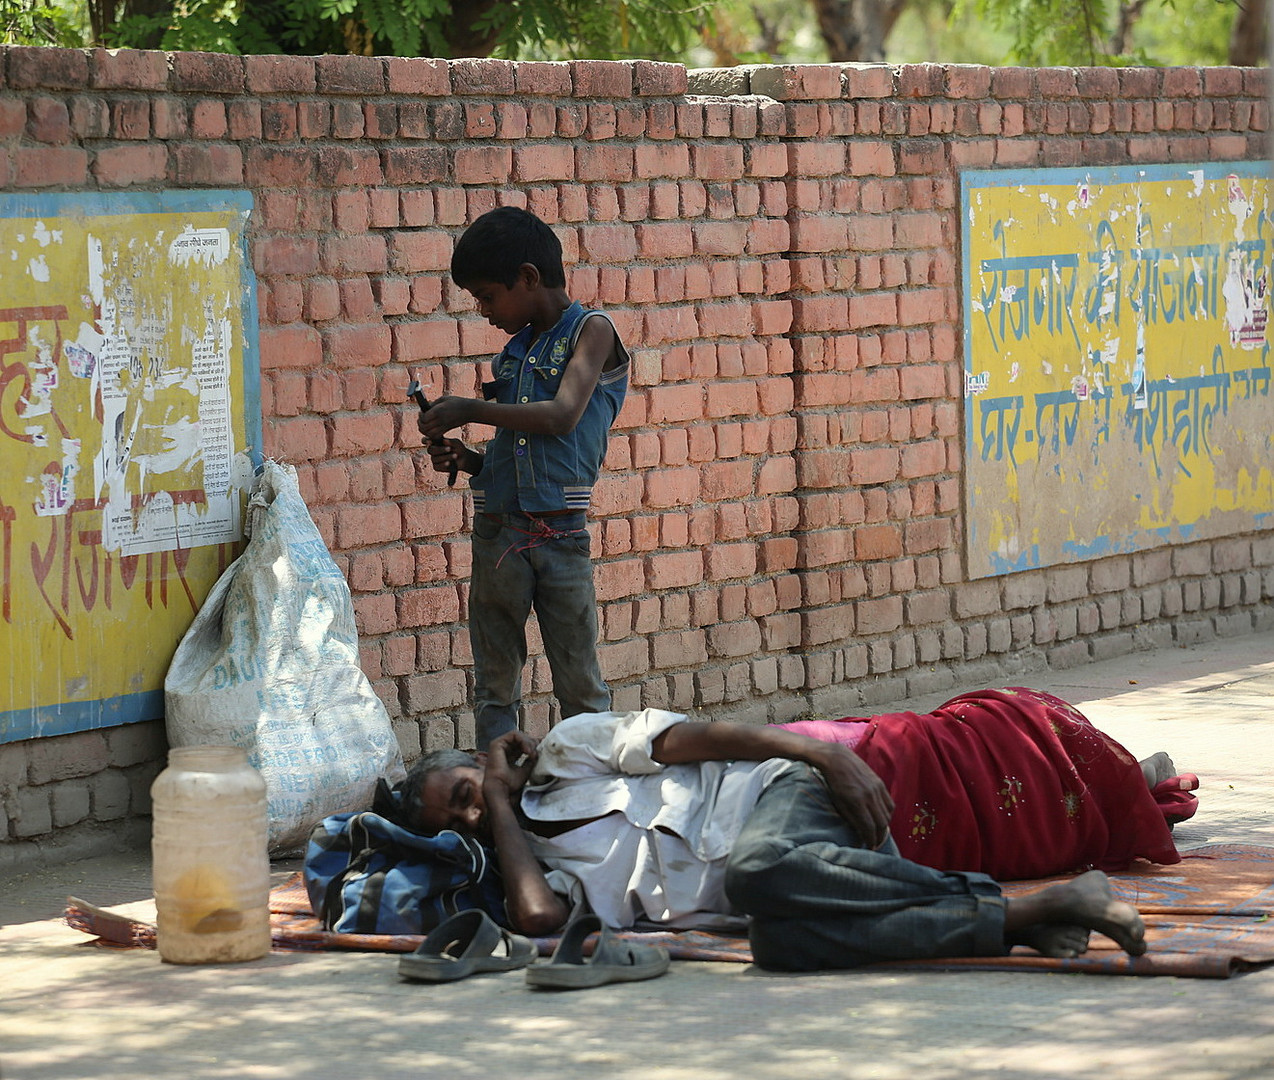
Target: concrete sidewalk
(69, 1010)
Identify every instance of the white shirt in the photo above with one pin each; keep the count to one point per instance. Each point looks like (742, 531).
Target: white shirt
(658, 848)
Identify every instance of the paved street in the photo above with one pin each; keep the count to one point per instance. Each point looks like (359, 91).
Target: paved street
(69, 1010)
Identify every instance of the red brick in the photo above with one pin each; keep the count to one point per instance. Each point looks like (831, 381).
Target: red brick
(931, 535)
(724, 162)
(365, 253)
(482, 76)
(349, 74)
(415, 165)
(282, 254)
(601, 78)
(968, 81)
(49, 121)
(342, 166)
(301, 438)
(412, 75)
(279, 74)
(416, 252)
(128, 69)
(212, 73)
(483, 164)
(32, 67)
(604, 163)
(425, 339)
(358, 345)
(674, 570)
(214, 164)
(50, 166)
(295, 346)
(1182, 82)
(365, 433)
(122, 166)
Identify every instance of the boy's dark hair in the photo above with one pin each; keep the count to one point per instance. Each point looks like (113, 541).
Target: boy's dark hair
(495, 246)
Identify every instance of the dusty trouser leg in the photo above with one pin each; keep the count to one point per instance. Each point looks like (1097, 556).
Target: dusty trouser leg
(817, 899)
(500, 593)
(566, 607)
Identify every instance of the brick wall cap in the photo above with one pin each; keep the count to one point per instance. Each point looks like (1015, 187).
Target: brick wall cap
(28, 67)
(128, 69)
(350, 74)
(483, 76)
(279, 74)
(211, 73)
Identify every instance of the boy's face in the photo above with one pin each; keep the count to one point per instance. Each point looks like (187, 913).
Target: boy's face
(509, 309)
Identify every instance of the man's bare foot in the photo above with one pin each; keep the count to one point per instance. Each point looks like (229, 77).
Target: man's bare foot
(1060, 942)
(1087, 902)
(1157, 768)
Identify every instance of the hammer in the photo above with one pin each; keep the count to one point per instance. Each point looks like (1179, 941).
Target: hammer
(414, 391)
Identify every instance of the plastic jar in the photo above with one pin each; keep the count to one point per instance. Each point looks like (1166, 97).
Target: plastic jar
(211, 871)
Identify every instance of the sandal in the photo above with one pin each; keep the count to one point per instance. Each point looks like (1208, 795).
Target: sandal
(611, 960)
(467, 943)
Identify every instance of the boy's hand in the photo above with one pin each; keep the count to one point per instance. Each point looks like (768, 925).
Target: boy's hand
(450, 455)
(445, 414)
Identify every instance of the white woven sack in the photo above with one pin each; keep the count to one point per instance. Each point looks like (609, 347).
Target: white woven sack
(270, 664)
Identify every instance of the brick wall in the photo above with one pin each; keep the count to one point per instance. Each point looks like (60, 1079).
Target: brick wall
(778, 529)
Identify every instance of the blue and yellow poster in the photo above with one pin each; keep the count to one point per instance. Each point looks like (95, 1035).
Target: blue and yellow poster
(129, 432)
(1117, 360)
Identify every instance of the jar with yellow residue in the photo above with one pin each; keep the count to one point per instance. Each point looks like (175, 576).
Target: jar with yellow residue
(211, 872)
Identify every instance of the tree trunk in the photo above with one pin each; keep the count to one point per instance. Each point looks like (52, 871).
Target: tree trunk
(855, 30)
(1247, 36)
(462, 39)
(1129, 13)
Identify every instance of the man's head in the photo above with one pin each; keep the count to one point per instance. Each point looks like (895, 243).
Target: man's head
(443, 790)
(496, 247)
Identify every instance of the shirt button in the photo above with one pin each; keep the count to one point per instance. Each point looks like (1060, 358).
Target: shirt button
(526, 399)
(552, 371)
(521, 442)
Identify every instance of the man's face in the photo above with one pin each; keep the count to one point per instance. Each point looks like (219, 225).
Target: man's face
(452, 799)
(508, 309)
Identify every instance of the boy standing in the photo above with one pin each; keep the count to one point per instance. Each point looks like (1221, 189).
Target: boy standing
(557, 388)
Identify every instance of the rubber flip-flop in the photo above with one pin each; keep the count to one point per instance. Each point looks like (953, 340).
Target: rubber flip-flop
(611, 960)
(467, 943)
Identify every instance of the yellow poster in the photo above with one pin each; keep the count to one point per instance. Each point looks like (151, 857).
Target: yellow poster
(129, 429)
(1117, 367)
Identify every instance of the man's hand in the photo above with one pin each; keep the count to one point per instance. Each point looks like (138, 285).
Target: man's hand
(510, 759)
(446, 414)
(857, 793)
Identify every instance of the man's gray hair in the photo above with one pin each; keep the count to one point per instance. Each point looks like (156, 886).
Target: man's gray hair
(413, 786)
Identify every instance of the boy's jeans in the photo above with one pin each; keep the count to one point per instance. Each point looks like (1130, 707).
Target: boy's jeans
(520, 563)
(818, 899)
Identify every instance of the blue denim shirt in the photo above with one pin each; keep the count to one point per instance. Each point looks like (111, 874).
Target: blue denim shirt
(541, 473)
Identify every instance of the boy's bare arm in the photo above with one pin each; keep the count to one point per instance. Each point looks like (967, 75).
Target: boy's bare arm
(593, 350)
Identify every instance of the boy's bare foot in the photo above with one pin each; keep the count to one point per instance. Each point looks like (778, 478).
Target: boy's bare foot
(1060, 942)
(1087, 902)
(1157, 768)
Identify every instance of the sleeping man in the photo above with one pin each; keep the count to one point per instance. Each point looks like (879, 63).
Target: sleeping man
(651, 820)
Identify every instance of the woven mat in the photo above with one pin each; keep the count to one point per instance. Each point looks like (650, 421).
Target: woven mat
(1210, 916)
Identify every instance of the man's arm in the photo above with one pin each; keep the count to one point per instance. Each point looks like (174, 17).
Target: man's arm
(857, 792)
(595, 346)
(533, 907)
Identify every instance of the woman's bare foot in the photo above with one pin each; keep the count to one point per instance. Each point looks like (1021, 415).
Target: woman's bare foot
(1087, 902)
(1060, 942)
(1157, 768)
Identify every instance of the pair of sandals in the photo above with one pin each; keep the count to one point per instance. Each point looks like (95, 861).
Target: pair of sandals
(470, 942)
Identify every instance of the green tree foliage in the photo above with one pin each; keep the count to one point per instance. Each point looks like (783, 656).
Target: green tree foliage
(1092, 32)
(40, 22)
(447, 28)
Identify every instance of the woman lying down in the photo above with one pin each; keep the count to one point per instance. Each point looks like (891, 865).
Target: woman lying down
(1018, 784)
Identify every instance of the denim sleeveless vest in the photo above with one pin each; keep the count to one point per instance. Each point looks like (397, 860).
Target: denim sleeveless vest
(541, 473)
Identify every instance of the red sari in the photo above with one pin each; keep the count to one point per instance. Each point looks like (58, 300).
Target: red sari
(1015, 783)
